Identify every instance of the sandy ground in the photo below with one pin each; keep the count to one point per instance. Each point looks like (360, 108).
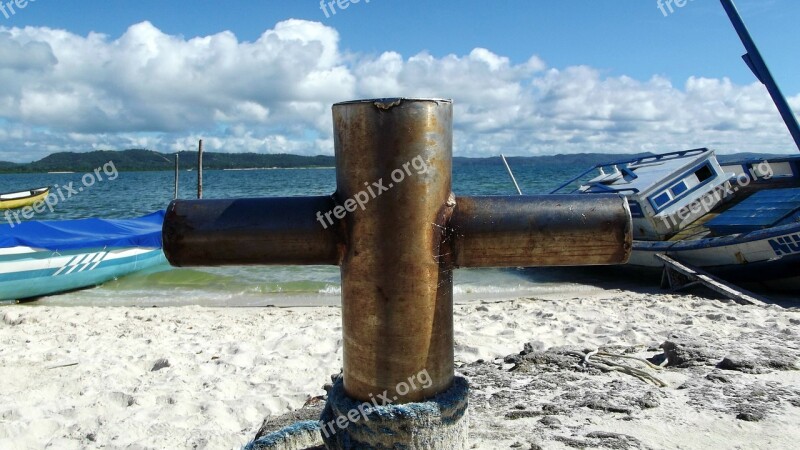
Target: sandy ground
(192, 377)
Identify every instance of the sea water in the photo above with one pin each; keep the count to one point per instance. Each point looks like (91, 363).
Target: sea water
(132, 194)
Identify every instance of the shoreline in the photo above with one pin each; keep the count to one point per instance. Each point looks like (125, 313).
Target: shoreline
(92, 377)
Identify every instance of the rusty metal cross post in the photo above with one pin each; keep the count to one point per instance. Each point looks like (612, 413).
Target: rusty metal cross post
(397, 232)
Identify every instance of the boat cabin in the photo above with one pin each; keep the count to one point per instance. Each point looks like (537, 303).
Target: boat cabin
(667, 192)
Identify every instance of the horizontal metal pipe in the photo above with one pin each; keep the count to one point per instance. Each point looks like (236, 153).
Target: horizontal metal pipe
(257, 231)
(554, 230)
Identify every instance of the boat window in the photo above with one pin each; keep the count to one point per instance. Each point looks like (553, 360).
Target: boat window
(704, 173)
(662, 199)
(636, 208)
(679, 188)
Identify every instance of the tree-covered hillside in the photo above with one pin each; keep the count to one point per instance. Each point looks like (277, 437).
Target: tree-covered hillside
(139, 160)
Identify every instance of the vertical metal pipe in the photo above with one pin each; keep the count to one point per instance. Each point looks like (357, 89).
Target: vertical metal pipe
(394, 158)
(177, 174)
(200, 169)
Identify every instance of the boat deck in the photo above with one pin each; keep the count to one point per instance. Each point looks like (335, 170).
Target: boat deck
(761, 210)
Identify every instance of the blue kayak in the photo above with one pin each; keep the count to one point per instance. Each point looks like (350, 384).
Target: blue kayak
(40, 258)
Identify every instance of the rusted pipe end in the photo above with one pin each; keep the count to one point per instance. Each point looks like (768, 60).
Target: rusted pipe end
(388, 103)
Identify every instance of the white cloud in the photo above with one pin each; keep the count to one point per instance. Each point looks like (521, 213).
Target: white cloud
(61, 91)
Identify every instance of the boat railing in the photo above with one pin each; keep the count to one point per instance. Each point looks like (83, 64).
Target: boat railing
(625, 169)
(625, 192)
(670, 155)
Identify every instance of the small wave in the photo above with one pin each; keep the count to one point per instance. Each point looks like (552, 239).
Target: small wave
(487, 289)
(331, 289)
(463, 289)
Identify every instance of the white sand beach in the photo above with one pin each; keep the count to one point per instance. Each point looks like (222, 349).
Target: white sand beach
(205, 378)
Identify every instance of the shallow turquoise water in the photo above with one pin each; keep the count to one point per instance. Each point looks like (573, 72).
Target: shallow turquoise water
(137, 193)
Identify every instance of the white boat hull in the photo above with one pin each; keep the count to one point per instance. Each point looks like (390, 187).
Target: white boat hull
(766, 256)
(28, 273)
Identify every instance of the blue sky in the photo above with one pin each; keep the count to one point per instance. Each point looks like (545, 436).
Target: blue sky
(546, 52)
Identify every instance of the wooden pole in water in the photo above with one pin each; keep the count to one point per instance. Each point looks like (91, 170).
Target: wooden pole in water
(177, 157)
(200, 170)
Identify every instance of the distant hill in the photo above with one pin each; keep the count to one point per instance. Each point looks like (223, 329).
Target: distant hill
(148, 160)
(7, 166)
(749, 155)
(585, 160)
(579, 160)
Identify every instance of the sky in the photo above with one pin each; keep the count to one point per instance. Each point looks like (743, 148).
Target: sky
(528, 77)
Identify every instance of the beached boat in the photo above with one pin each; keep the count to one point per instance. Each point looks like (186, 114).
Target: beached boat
(739, 219)
(45, 257)
(12, 200)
